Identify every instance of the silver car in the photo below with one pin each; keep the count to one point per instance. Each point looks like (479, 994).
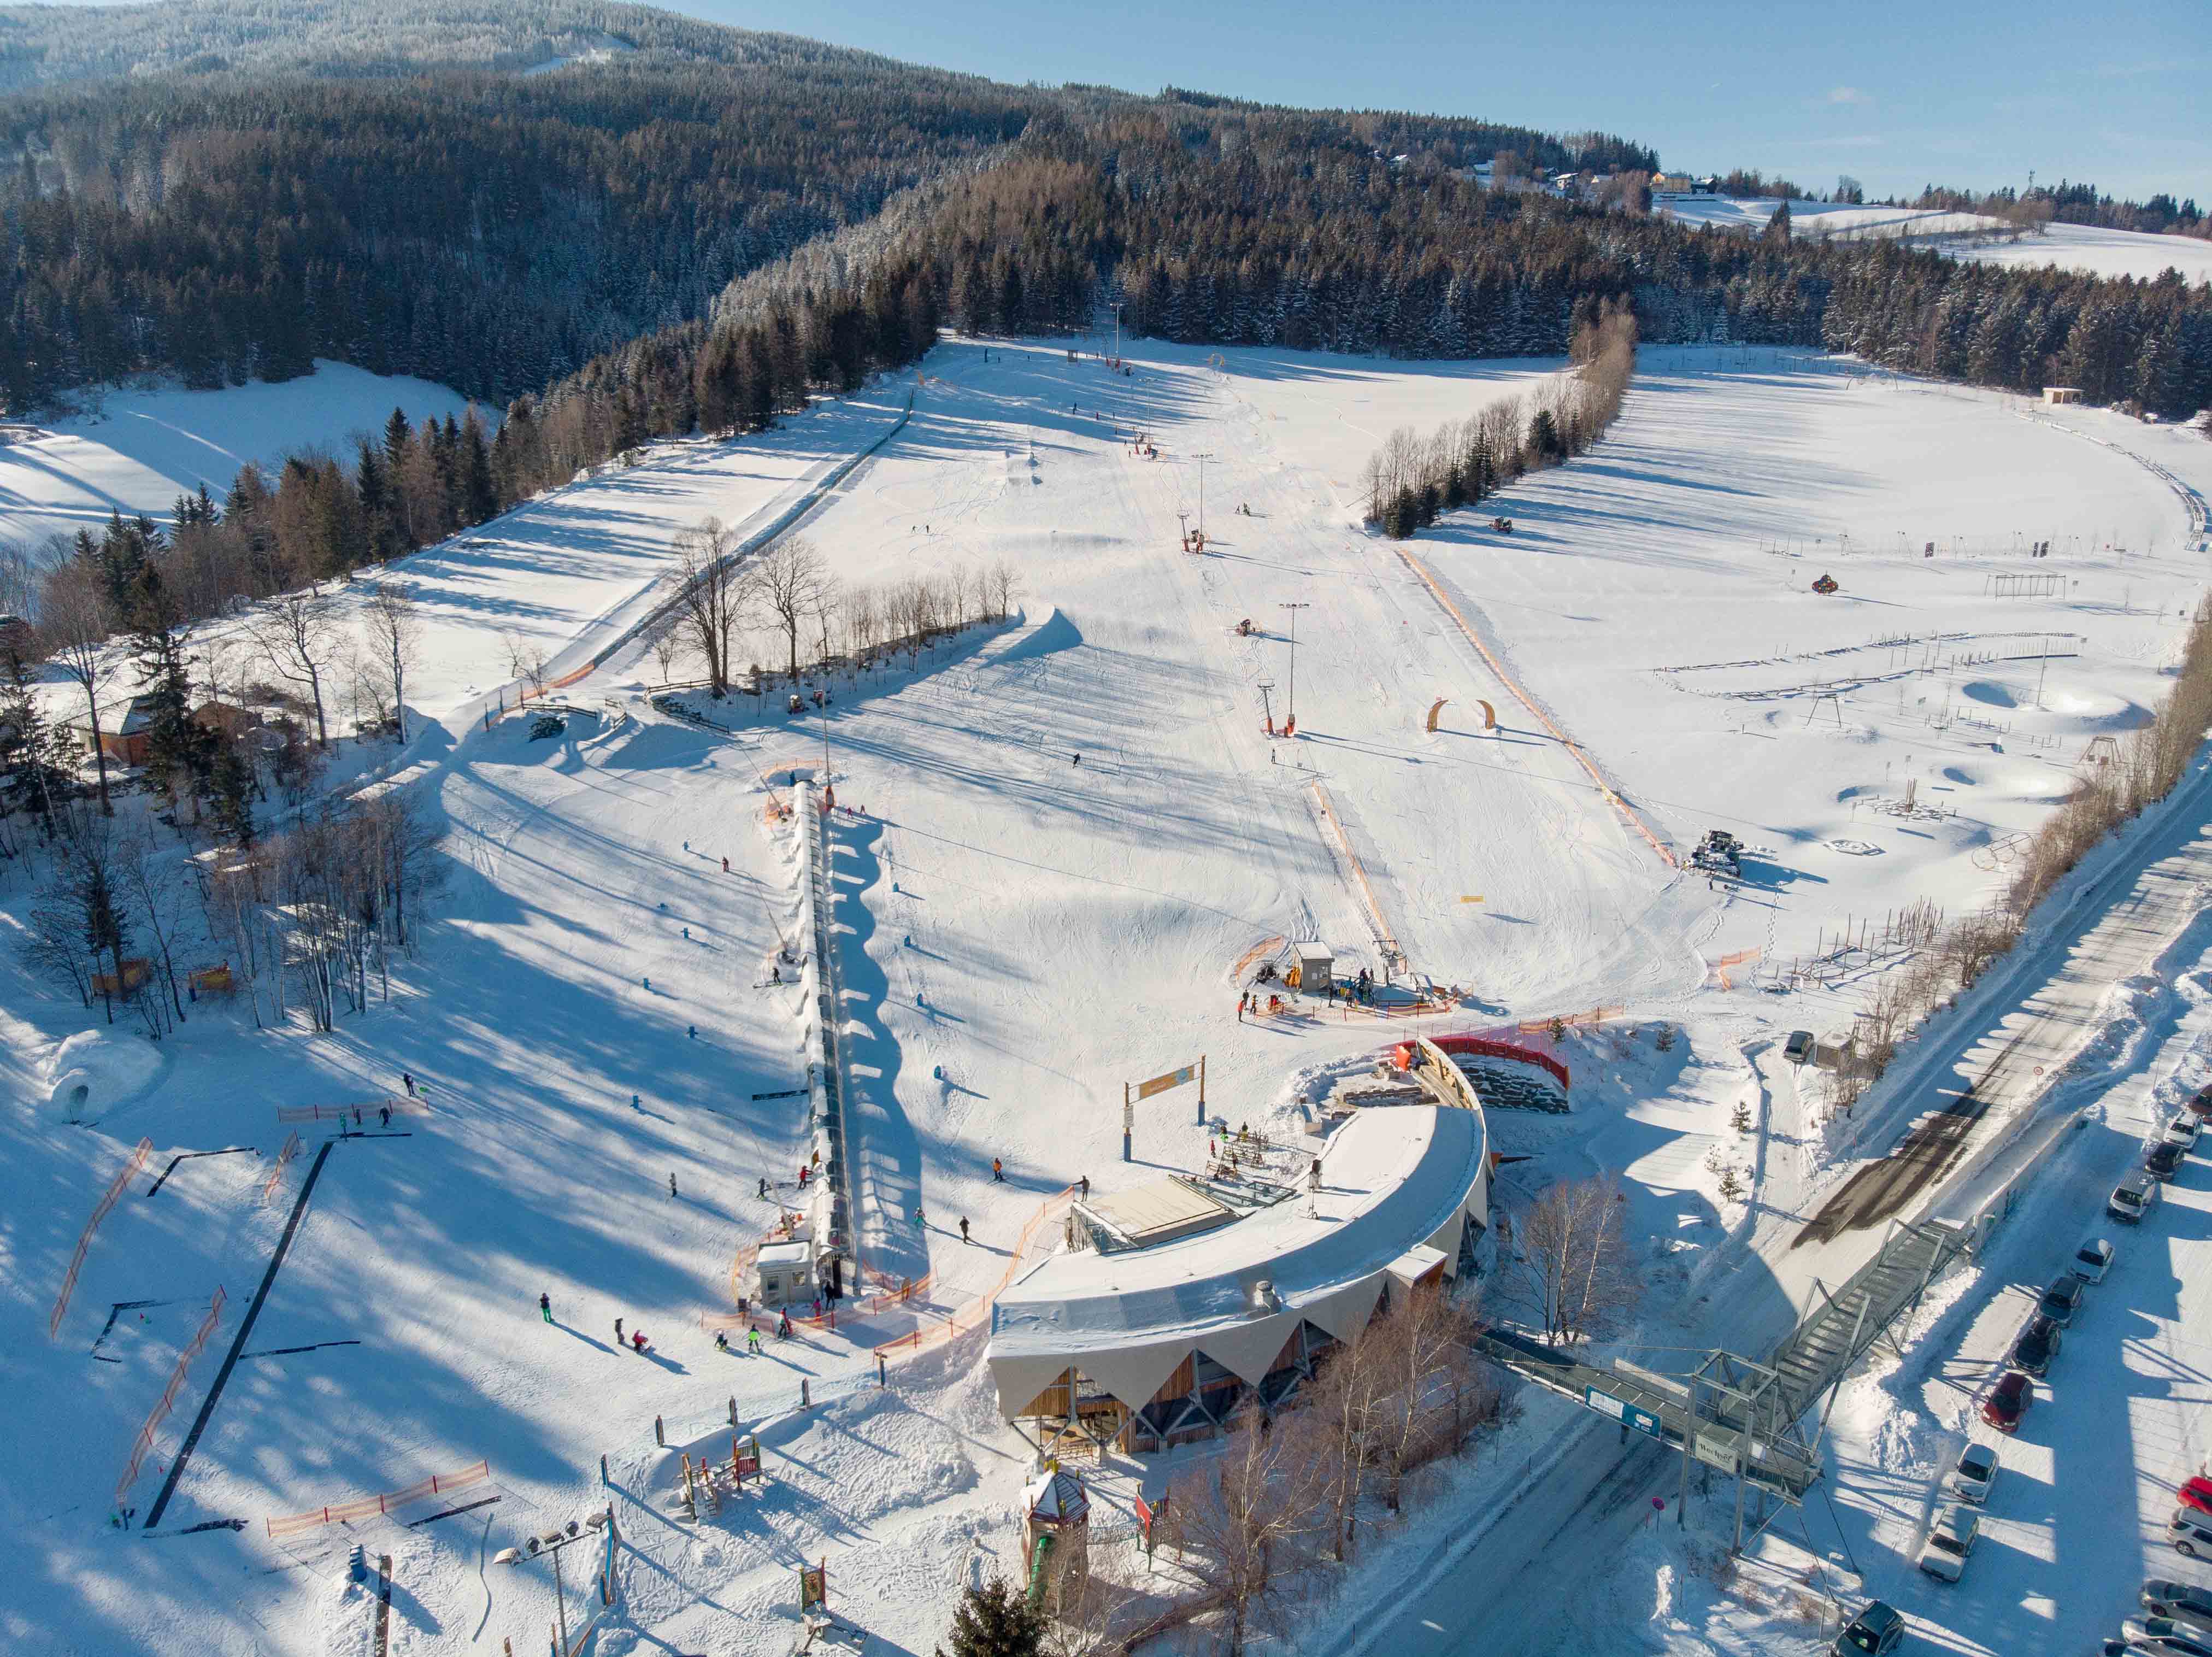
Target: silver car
(1976, 1470)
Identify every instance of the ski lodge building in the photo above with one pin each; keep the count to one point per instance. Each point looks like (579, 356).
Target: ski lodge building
(1176, 1300)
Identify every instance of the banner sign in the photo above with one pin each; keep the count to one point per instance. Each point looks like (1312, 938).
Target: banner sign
(1172, 1079)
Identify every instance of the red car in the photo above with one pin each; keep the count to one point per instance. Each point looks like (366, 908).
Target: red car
(2201, 1105)
(2197, 1494)
(2008, 1402)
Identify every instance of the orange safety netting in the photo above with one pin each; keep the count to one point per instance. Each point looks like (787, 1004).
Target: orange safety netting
(368, 1506)
(116, 1187)
(144, 1441)
(977, 1312)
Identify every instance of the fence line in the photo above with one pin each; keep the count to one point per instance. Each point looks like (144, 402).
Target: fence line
(290, 1150)
(116, 1187)
(168, 1398)
(978, 1310)
(365, 1507)
(354, 1113)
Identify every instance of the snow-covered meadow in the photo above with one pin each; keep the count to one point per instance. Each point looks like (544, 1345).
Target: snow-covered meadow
(1070, 830)
(137, 449)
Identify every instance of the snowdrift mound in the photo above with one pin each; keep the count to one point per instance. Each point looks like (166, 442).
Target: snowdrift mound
(95, 1070)
(2096, 711)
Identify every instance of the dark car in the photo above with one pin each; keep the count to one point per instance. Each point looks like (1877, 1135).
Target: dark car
(1797, 1050)
(2201, 1104)
(1874, 1632)
(2185, 1602)
(2062, 1300)
(2008, 1401)
(2037, 1345)
(2163, 1162)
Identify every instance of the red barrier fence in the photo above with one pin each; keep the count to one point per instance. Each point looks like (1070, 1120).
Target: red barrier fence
(116, 1187)
(368, 1506)
(1487, 1047)
(159, 1413)
(291, 1148)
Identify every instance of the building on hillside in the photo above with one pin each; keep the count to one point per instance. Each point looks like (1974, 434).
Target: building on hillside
(1707, 185)
(226, 718)
(1178, 1301)
(122, 728)
(2056, 394)
(1673, 184)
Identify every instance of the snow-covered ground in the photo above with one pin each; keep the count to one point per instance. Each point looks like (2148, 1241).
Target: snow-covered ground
(1020, 933)
(1973, 236)
(137, 450)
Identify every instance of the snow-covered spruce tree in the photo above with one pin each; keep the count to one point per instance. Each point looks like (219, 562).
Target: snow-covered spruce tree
(996, 1621)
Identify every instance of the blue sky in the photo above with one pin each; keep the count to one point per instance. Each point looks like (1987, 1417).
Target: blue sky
(1963, 92)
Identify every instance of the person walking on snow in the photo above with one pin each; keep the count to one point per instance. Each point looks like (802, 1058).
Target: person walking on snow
(918, 1219)
(963, 1230)
(409, 1081)
(721, 1340)
(725, 866)
(764, 1190)
(783, 1326)
(637, 1342)
(671, 1184)
(998, 1172)
(619, 1334)
(752, 1343)
(545, 1307)
(1083, 1186)
(384, 1115)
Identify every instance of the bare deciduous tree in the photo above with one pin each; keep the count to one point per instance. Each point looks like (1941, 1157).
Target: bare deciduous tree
(73, 619)
(1254, 1517)
(394, 631)
(710, 597)
(1571, 1262)
(295, 637)
(785, 587)
(1005, 585)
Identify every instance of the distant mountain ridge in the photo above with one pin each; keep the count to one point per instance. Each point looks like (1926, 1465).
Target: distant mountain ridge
(57, 46)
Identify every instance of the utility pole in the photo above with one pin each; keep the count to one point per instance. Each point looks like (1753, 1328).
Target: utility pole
(1201, 460)
(1291, 722)
(1116, 309)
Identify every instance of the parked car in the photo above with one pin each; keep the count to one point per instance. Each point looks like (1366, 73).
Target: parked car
(2062, 1300)
(2133, 1200)
(2191, 1533)
(2163, 1633)
(1950, 1539)
(2091, 1260)
(2199, 1104)
(1797, 1050)
(2037, 1345)
(2007, 1404)
(2197, 1493)
(2185, 1602)
(1875, 1631)
(1976, 1470)
(2163, 1159)
(2183, 1130)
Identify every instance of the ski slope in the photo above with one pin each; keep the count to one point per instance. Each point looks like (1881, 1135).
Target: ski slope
(1062, 835)
(1973, 236)
(137, 450)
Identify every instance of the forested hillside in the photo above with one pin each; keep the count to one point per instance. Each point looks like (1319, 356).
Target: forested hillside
(667, 240)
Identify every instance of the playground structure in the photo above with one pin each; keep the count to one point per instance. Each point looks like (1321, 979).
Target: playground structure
(701, 1486)
(1055, 1533)
(1824, 584)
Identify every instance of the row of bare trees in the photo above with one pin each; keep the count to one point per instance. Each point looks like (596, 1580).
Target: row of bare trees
(1411, 480)
(786, 593)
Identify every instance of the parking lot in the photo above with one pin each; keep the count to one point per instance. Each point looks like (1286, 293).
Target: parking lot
(2077, 1516)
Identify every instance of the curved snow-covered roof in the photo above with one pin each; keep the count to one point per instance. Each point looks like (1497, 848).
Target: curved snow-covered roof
(1392, 1179)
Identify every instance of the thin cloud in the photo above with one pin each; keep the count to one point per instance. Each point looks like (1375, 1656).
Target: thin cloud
(1848, 94)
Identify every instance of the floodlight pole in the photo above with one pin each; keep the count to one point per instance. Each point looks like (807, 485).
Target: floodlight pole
(1201, 460)
(1291, 720)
